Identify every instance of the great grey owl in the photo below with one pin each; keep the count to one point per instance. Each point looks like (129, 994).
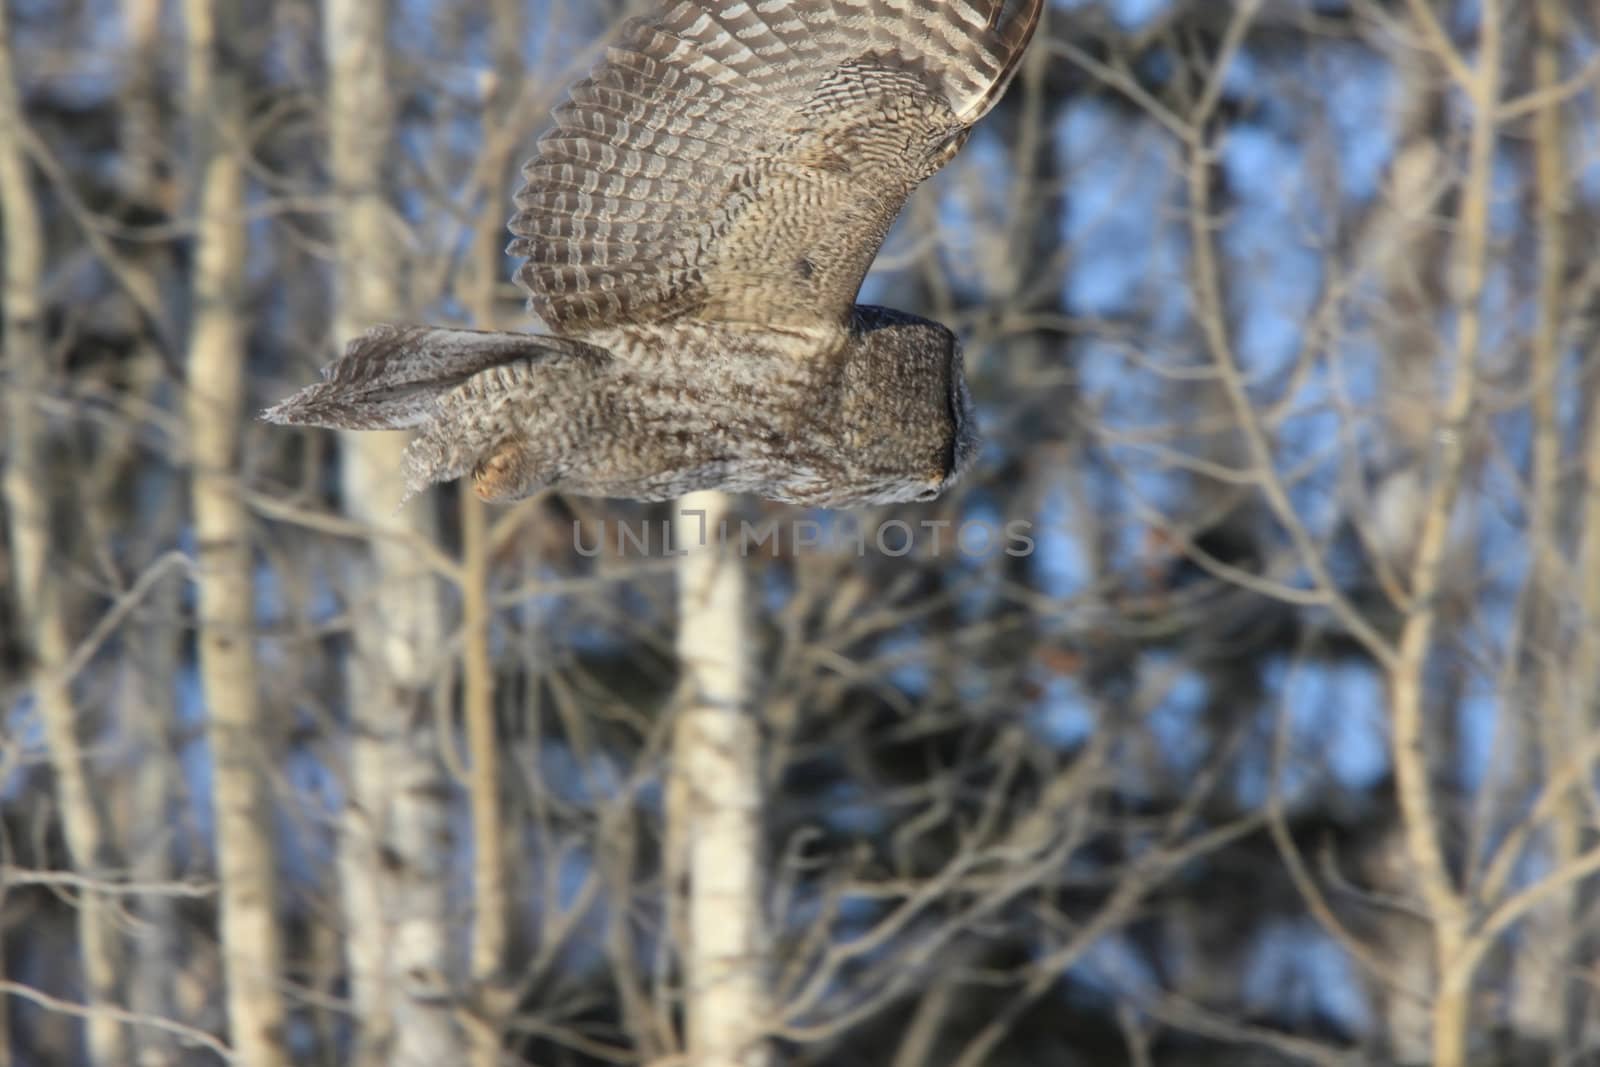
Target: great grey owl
(696, 226)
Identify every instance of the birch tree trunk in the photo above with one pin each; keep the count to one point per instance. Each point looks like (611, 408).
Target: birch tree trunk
(714, 792)
(37, 578)
(491, 909)
(246, 861)
(394, 845)
(153, 653)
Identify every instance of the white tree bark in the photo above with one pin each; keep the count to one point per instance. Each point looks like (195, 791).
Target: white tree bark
(153, 653)
(246, 860)
(714, 793)
(40, 599)
(490, 881)
(394, 846)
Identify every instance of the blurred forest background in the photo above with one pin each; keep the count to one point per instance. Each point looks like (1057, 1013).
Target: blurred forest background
(1278, 747)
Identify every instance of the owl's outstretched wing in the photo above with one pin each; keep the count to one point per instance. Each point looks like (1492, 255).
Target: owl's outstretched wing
(742, 160)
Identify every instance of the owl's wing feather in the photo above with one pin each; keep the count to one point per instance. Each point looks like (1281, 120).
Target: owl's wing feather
(393, 377)
(741, 160)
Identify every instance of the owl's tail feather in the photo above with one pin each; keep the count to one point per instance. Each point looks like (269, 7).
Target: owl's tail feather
(391, 377)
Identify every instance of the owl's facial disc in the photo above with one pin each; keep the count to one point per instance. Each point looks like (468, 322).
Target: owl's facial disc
(902, 415)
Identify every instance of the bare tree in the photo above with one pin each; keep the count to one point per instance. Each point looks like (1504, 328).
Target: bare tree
(714, 807)
(1199, 773)
(155, 651)
(240, 740)
(392, 852)
(491, 883)
(1447, 910)
(39, 571)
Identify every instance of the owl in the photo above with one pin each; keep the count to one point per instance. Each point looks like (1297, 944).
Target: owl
(695, 227)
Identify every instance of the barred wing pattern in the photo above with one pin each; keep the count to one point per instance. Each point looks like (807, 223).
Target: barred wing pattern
(391, 377)
(741, 160)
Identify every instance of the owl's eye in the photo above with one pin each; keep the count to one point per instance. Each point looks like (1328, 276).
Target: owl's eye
(927, 495)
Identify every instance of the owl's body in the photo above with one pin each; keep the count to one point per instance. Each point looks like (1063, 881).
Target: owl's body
(696, 227)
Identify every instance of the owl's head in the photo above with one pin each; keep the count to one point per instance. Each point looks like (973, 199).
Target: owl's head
(903, 417)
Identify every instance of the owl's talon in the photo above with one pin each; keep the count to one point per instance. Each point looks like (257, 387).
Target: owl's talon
(501, 476)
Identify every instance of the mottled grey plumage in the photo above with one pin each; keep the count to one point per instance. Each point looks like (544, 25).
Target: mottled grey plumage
(696, 226)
